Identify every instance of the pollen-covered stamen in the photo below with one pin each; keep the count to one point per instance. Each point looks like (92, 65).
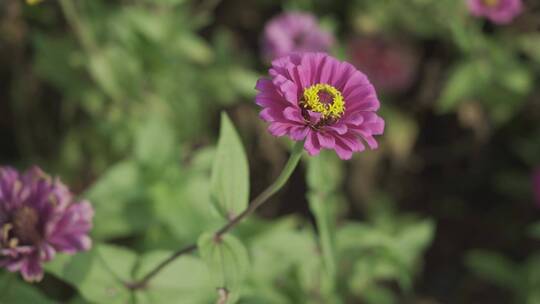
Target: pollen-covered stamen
(25, 225)
(7, 240)
(325, 99)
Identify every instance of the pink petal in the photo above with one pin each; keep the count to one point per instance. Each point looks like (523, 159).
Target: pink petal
(312, 145)
(325, 140)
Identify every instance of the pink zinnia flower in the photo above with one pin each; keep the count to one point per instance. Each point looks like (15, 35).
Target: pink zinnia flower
(498, 11)
(536, 186)
(294, 32)
(390, 64)
(326, 102)
(38, 218)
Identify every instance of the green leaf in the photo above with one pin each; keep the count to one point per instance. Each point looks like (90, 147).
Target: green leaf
(119, 203)
(227, 259)
(378, 295)
(15, 291)
(242, 80)
(155, 144)
(495, 268)
(283, 240)
(464, 82)
(195, 48)
(358, 236)
(534, 230)
(530, 44)
(412, 239)
(99, 274)
(185, 281)
(230, 175)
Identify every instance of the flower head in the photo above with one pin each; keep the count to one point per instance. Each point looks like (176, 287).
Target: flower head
(37, 219)
(294, 32)
(390, 64)
(33, 2)
(536, 186)
(498, 11)
(319, 99)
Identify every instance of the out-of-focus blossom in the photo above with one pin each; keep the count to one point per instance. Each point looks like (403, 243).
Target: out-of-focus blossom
(319, 99)
(38, 217)
(33, 2)
(536, 186)
(294, 32)
(498, 11)
(390, 64)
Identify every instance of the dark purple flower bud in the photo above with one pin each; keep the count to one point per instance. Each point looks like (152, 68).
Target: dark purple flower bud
(38, 218)
(391, 65)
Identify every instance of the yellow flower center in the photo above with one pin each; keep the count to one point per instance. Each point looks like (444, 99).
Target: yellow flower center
(324, 99)
(491, 3)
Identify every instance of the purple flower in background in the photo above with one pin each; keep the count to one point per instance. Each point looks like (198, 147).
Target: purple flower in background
(536, 186)
(390, 64)
(326, 102)
(38, 218)
(498, 11)
(294, 32)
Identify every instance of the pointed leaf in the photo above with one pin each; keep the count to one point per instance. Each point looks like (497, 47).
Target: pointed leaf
(230, 175)
(98, 274)
(15, 291)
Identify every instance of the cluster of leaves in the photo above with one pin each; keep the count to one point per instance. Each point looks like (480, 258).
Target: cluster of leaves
(520, 279)
(126, 63)
(283, 261)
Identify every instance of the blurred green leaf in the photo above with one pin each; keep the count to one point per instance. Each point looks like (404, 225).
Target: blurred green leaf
(530, 44)
(412, 239)
(99, 274)
(155, 144)
(534, 230)
(495, 268)
(184, 281)
(195, 48)
(118, 198)
(15, 291)
(463, 82)
(242, 80)
(230, 175)
(378, 295)
(228, 261)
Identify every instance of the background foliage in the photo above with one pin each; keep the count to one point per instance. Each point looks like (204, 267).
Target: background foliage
(123, 100)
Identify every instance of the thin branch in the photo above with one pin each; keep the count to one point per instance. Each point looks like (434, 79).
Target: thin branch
(256, 203)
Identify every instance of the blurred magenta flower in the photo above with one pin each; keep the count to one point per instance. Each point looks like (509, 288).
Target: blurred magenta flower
(294, 32)
(536, 186)
(38, 218)
(326, 102)
(498, 11)
(390, 64)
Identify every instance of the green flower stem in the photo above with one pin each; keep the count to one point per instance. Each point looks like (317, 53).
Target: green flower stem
(81, 31)
(283, 177)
